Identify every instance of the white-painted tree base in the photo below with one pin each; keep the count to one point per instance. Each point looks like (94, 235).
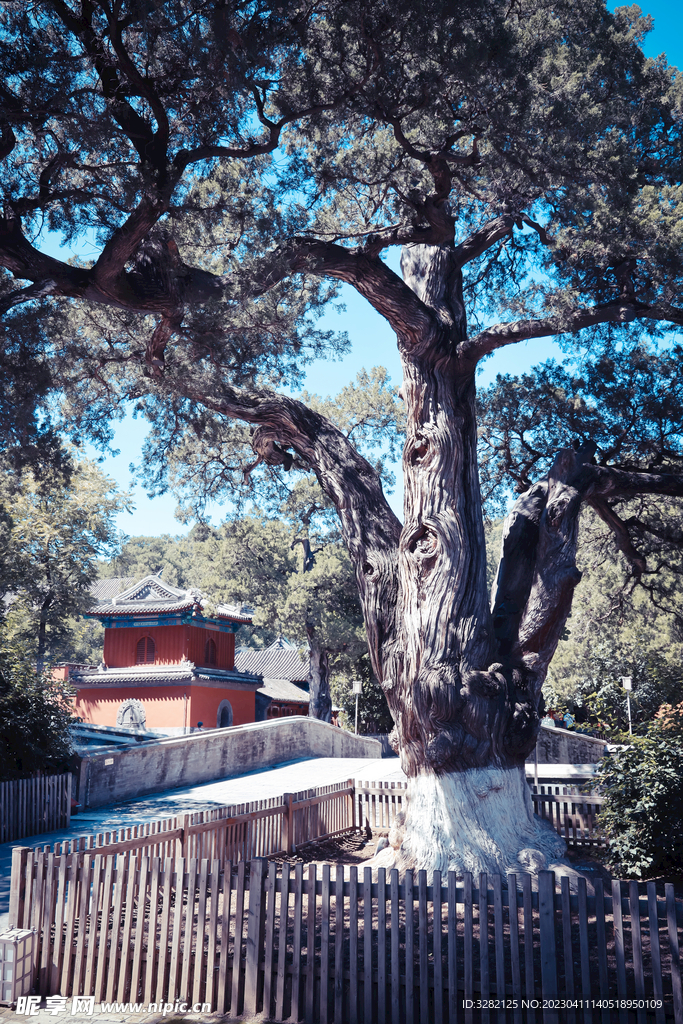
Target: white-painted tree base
(478, 820)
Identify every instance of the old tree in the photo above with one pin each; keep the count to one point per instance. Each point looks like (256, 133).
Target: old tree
(229, 164)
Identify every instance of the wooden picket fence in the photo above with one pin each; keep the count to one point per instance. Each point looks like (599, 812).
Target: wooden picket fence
(570, 811)
(285, 823)
(30, 807)
(253, 938)
(237, 832)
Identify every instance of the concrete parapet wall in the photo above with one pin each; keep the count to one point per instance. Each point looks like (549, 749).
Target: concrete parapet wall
(562, 746)
(126, 773)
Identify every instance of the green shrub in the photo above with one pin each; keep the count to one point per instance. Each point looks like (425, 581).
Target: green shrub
(643, 812)
(35, 719)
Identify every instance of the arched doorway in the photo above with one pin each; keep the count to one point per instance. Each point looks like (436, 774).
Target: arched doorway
(224, 715)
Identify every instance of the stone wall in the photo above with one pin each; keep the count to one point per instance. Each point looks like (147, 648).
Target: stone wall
(562, 746)
(109, 776)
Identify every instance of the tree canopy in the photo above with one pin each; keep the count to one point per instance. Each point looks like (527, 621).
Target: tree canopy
(233, 165)
(56, 527)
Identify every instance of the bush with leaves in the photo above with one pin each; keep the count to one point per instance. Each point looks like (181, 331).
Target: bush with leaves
(643, 812)
(35, 718)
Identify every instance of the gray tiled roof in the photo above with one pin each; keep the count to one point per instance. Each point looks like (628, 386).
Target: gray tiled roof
(279, 661)
(140, 674)
(152, 594)
(103, 590)
(282, 689)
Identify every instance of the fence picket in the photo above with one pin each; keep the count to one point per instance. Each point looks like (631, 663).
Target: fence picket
(498, 937)
(601, 933)
(583, 945)
(223, 985)
(515, 966)
(484, 946)
(84, 898)
(567, 953)
(88, 987)
(381, 946)
(367, 944)
(423, 945)
(468, 899)
(653, 932)
(637, 948)
(282, 943)
(103, 944)
(271, 893)
(254, 935)
(325, 947)
(674, 950)
(124, 969)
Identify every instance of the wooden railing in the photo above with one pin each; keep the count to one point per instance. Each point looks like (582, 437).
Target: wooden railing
(253, 938)
(572, 813)
(30, 807)
(282, 824)
(238, 832)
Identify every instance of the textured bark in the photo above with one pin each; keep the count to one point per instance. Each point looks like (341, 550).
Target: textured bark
(457, 701)
(477, 820)
(320, 704)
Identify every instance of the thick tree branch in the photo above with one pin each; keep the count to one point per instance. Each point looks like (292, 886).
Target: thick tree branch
(500, 335)
(483, 239)
(133, 125)
(614, 482)
(162, 292)
(411, 318)
(621, 536)
(537, 574)
(370, 529)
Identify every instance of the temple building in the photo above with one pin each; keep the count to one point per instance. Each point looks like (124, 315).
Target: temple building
(167, 666)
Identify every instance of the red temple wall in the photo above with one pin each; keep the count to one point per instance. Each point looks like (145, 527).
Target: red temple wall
(165, 705)
(225, 646)
(204, 702)
(171, 644)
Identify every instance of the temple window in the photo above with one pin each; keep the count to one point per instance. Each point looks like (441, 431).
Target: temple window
(210, 652)
(145, 651)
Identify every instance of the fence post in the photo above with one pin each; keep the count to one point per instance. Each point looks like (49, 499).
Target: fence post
(17, 893)
(184, 838)
(351, 815)
(255, 934)
(546, 923)
(69, 783)
(288, 822)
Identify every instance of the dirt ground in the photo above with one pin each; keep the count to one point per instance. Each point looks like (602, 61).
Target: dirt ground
(358, 847)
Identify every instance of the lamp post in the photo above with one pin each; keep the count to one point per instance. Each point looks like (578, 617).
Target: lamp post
(627, 683)
(357, 689)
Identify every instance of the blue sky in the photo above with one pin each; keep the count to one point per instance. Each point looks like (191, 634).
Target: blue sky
(373, 342)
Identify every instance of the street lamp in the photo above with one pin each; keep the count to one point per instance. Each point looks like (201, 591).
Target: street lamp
(357, 689)
(627, 683)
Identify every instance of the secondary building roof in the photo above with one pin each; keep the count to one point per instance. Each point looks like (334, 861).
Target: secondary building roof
(282, 661)
(282, 689)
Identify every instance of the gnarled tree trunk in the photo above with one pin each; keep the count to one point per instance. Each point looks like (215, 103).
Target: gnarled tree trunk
(462, 677)
(463, 683)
